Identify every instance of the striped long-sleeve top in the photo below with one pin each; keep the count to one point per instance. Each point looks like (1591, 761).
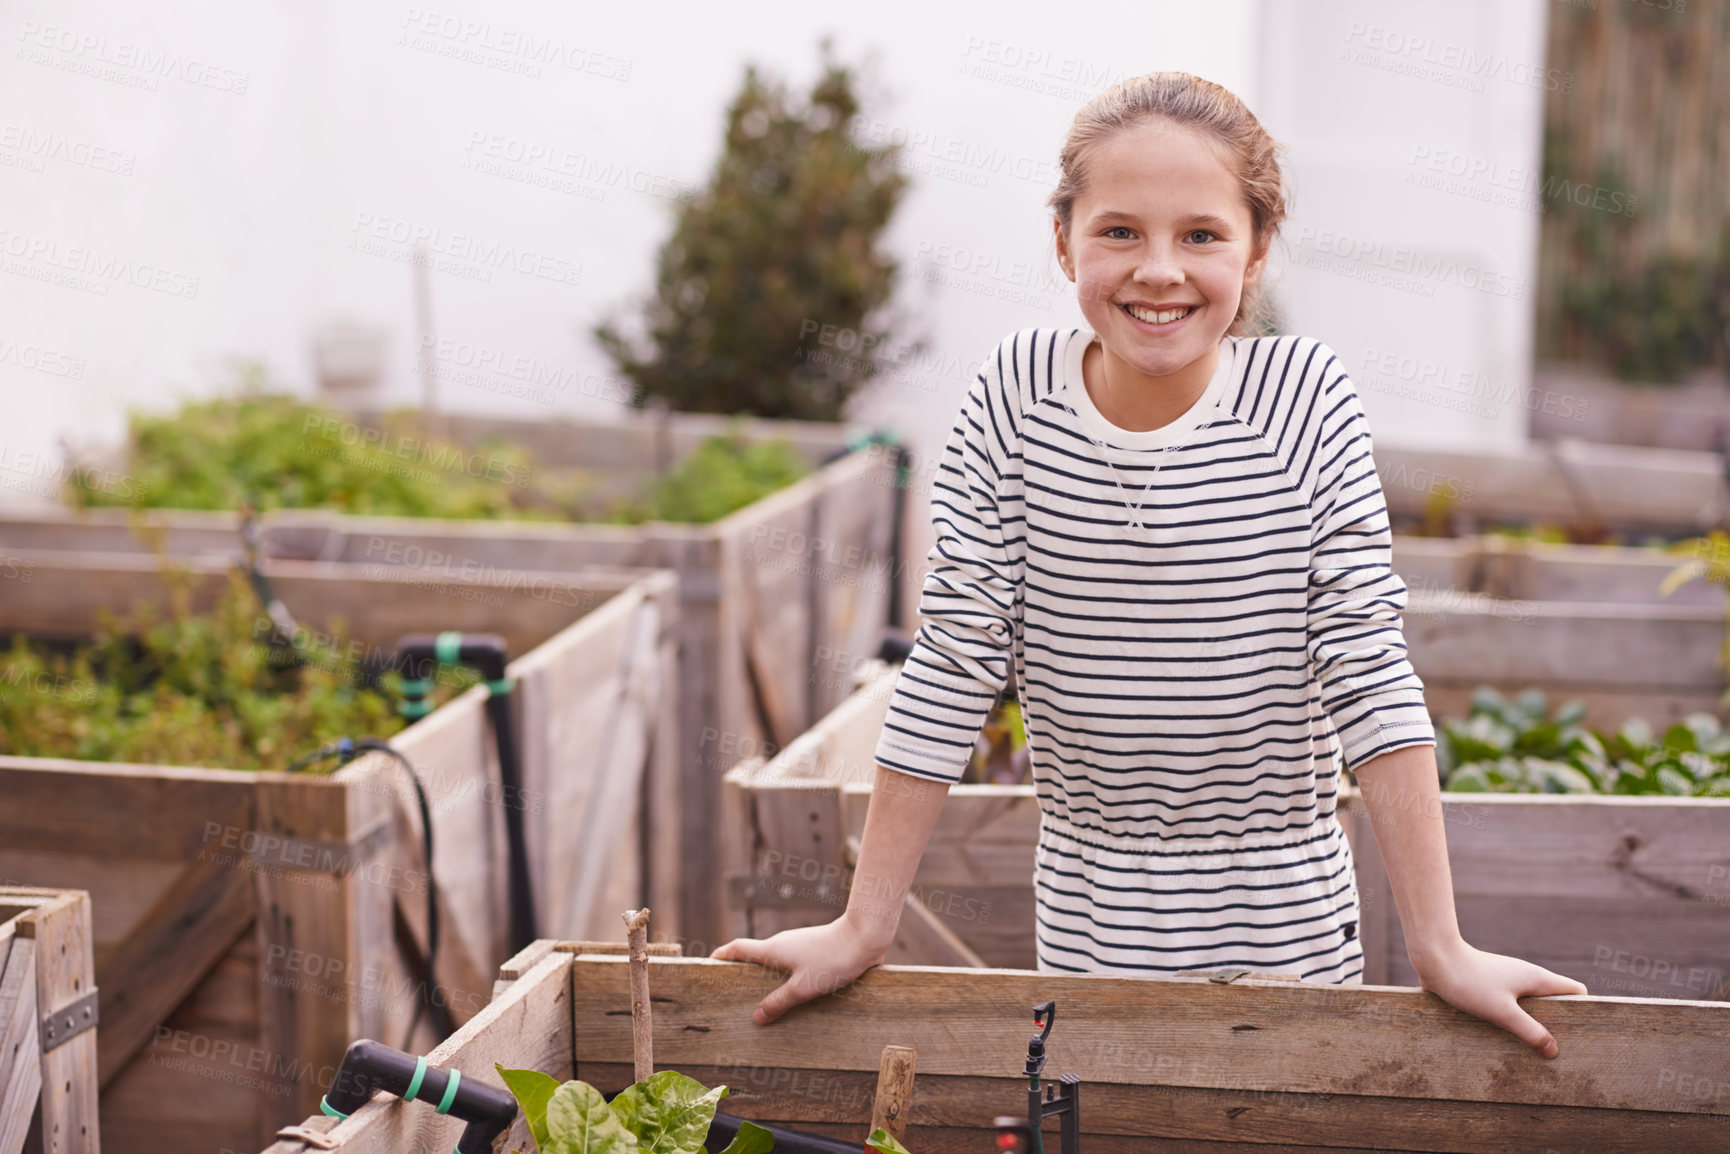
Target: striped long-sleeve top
(1193, 676)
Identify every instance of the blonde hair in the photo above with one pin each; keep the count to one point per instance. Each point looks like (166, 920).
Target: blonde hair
(1182, 99)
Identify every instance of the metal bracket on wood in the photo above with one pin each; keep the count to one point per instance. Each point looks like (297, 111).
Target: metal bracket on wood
(1226, 977)
(309, 1137)
(764, 892)
(71, 1020)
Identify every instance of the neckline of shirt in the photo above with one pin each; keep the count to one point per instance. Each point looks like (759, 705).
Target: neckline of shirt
(1074, 393)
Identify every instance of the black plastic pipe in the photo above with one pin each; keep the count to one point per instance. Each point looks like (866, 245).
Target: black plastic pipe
(370, 1066)
(485, 653)
(787, 1141)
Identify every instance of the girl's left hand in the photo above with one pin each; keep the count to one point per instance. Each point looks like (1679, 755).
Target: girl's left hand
(1487, 985)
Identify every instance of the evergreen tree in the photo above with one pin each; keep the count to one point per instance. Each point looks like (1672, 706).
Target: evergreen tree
(782, 242)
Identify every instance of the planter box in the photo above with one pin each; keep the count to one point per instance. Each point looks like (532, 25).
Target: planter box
(1627, 894)
(1631, 491)
(47, 1023)
(1666, 416)
(1174, 1065)
(1630, 895)
(248, 925)
(1578, 621)
(776, 601)
(1512, 569)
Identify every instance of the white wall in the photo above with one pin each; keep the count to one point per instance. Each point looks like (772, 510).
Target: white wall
(1426, 292)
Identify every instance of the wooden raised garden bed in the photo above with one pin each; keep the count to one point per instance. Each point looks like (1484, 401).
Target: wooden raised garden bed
(776, 601)
(1614, 489)
(1630, 895)
(47, 1023)
(247, 924)
(1184, 1064)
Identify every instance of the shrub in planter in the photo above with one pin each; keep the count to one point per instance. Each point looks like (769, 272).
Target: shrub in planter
(1512, 745)
(270, 450)
(193, 689)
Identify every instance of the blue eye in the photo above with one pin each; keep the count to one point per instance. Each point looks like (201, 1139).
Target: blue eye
(1118, 228)
(1201, 232)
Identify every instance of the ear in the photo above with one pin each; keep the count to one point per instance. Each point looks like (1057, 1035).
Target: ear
(1258, 263)
(1063, 258)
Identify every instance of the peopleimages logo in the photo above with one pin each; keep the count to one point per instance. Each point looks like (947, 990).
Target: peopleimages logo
(1405, 261)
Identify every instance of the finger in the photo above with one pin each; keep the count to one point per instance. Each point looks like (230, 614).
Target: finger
(1526, 1028)
(731, 952)
(783, 998)
(1549, 984)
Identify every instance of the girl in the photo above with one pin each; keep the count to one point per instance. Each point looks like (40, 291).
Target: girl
(1172, 535)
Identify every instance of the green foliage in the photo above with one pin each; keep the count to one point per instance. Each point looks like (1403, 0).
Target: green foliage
(722, 475)
(1616, 294)
(881, 1142)
(1511, 745)
(665, 1113)
(194, 689)
(782, 242)
(272, 451)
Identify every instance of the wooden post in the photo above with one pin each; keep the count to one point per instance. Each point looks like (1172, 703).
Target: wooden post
(642, 1019)
(59, 937)
(894, 1100)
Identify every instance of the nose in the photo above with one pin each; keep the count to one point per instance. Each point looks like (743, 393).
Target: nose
(1159, 265)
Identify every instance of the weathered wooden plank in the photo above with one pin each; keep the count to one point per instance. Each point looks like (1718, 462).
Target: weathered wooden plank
(377, 604)
(1589, 646)
(956, 1109)
(922, 938)
(203, 1080)
(20, 1039)
(528, 1026)
(1596, 887)
(1302, 1038)
(803, 829)
(67, 1122)
(851, 572)
(173, 946)
(53, 804)
(1615, 485)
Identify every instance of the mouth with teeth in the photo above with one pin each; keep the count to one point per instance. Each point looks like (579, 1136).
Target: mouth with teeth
(1159, 318)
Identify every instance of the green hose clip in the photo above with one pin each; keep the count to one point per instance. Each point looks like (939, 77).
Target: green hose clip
(408, 1095)
(328, 1110)
(415, 692)
(447, 649)
(885, 439)
(450, 1092)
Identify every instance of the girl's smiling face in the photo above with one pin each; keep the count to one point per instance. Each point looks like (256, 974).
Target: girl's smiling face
(1160, 246)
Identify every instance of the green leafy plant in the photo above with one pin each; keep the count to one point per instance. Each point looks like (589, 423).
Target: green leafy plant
(193, 689)
(882, 1142)
(1512, 745)
(770, 294)
(724, 474)
(272, 451)
(665, 1113)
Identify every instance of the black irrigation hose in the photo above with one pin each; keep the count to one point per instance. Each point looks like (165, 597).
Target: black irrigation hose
(484, 652)
(347, 750)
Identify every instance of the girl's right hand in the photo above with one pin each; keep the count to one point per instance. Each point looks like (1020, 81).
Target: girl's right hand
(817, 959)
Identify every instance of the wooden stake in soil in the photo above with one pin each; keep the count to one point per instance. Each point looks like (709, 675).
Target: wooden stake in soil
(894, 1090)
(642, 1027)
